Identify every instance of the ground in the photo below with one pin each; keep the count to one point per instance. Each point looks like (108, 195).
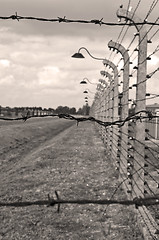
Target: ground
(44, 155)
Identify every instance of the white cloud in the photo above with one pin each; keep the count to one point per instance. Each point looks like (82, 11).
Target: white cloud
(48, 76)
(8, 80)
(4, 62)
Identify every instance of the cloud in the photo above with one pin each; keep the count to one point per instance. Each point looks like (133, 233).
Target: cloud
(35, 57)
(48, 76)
(8, 80)
(4, 62)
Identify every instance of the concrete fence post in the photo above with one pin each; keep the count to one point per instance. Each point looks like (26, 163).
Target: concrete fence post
(145, 218)
(139, 153)
(124, 167)
(108, 108)
(115, 100)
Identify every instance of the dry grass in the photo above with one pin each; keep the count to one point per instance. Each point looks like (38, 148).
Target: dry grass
(40, 158)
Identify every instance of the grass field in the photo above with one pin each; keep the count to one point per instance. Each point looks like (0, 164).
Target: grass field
(44, 155)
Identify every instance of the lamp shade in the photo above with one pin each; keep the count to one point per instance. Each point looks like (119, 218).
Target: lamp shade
(83, 82)
(78, 55)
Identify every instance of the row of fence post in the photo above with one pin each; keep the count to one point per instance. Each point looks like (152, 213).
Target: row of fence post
(125, 144)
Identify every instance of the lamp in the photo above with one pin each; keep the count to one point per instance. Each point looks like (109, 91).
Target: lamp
(83, 82)
(87, 90)
(80, 55)
(88, 97)
(87, 80)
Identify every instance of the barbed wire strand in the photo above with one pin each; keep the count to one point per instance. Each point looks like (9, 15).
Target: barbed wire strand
(134, 116)
(65, 20)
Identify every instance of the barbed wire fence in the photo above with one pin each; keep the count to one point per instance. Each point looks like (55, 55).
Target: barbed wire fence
(125, 130)
(131, 145)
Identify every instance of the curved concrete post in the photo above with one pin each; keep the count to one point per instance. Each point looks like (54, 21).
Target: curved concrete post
(101, 111)
(100, 90)
(108, 104)
(126, 71)
(139, 153)
(108, 95)
(94, 106)
(123, 138)
(115, 103)
(142, 55)
(115, 89)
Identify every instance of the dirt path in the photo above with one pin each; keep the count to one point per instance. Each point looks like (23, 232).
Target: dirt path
(74, 163)
(16, 162)
(19, 139)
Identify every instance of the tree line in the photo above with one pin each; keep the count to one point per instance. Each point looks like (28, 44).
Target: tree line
(16, 111)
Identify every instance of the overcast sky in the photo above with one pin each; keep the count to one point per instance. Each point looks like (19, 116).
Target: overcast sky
(36, 68)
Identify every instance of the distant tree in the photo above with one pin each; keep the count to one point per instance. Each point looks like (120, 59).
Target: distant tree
(9, 111)
(51, 110)
(80, 111)
(66, 110)
(84, 110)
(59, 109)
(72, 110)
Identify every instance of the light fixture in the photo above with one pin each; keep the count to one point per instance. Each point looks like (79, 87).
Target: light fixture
(88, 97)
(85, 80)
(87, 90)
(80, 55)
